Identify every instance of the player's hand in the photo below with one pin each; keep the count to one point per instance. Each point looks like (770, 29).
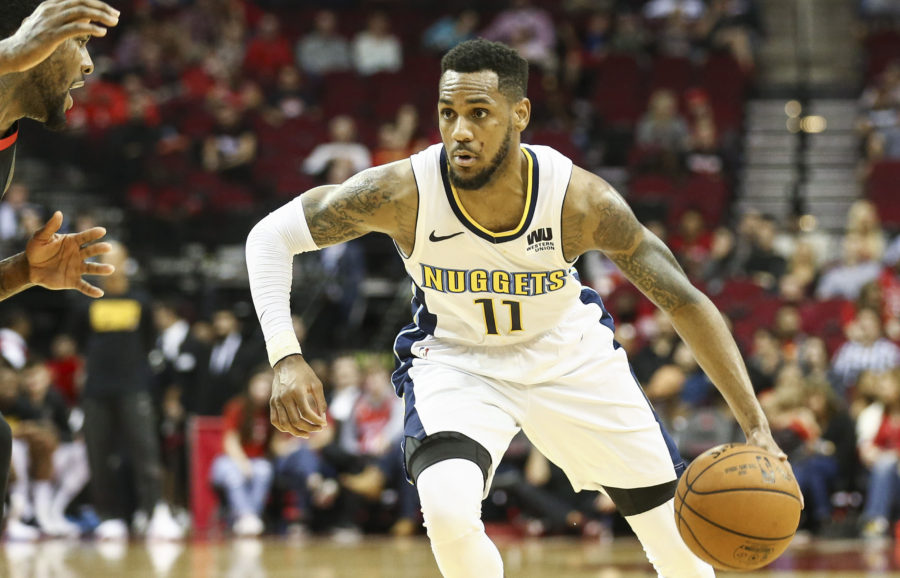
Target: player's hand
(52, 23)
(58, 261)
(297, 405)
(763, 438)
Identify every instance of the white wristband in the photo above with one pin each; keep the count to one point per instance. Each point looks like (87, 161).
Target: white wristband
(282, 345)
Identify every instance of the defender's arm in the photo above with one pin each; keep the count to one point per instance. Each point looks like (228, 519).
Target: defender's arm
(596, 217)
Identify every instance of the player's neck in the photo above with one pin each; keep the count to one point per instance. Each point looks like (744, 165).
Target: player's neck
(509, 181)
(498, 206)
(11, 100)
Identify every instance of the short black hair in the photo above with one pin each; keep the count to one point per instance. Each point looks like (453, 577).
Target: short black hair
(480, 54)
(12, 13)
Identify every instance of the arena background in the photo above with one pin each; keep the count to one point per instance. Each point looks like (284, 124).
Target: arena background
(759, 138)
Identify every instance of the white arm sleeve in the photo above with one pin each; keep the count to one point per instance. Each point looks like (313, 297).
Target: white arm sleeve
(271, 247)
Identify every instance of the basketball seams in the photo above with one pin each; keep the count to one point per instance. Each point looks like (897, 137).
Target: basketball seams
(725, 491)
(729, 530)
(722, 565)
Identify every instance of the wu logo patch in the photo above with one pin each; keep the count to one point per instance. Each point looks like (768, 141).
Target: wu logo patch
(540, 240)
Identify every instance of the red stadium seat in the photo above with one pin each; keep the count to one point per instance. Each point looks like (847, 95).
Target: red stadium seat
(619, 91)
(671, 72)
(883, 189)
(561, 140)
(723, 78)
(881, 48)
(708, 194)
(343, 93)
(651, 187)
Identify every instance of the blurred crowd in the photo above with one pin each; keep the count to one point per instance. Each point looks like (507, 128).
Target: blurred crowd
(207, 113)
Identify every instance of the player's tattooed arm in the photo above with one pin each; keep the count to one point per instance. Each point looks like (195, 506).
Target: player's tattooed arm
(608, 224)
(374, 200)
(596, 217)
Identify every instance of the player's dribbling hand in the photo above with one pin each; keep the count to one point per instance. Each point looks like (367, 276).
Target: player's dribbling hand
(58, 261)
(297, 405)
(53, 22)
(763, 439)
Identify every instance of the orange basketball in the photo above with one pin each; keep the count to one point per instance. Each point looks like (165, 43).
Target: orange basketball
(737, 507)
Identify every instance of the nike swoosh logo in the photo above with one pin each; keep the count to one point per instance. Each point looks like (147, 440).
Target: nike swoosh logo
(434, 238)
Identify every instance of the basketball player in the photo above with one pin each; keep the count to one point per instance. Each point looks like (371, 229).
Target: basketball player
(504, 335)
(43, 55)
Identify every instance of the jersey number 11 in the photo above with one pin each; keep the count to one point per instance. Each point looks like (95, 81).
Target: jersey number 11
(490, 318)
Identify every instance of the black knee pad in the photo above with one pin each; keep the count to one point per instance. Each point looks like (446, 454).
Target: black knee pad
(633, 501)
(440, 446)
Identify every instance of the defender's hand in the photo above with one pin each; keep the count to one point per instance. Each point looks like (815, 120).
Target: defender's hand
(297, 405)
(58, 261)
(52, 23)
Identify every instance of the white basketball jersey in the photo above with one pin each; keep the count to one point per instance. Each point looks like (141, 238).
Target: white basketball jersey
(475, 287)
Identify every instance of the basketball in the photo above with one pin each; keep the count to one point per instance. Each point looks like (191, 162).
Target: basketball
(737, 507)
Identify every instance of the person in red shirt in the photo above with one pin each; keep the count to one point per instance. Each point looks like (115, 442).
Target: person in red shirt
(243, 470)
(882, 456)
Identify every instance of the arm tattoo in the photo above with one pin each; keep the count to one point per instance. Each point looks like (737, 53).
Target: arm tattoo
(653, 269)
(641, 256)
(347, 211)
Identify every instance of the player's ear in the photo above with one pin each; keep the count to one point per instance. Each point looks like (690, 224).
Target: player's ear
(522, 114)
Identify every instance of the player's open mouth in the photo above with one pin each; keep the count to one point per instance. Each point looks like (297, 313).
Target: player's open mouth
(75, 85)
(464, 159)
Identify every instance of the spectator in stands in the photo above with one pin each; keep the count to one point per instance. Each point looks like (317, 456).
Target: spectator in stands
(324, 50)
(802, 273)
(865, 350)
(732, 26)
(676, 36)
(267, 52)
(703, 155)
(527, 28)
(542, 496)
(15, 329)
(630, 36)
(764, 265)
(880, 454)
(15, 200)
(889, 281)
(789, 332)
(813, 360)
(398, 139)
(176, 360)
(373, 434)
(376, 49)
(846, 278)
(597, 38)
(663, 130)
(291, 97)
(864, 225)
(343, 145)
(658, 9)
(243, 470)
(32, 450)
(70, 470)
(117, 334)
(230, 148)
(66, 367)
(299, 469)
(448, 31)
(232, 357)
(765, 361)
(692, 243)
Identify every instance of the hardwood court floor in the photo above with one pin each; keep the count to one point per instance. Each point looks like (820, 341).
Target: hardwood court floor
(408, 558)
